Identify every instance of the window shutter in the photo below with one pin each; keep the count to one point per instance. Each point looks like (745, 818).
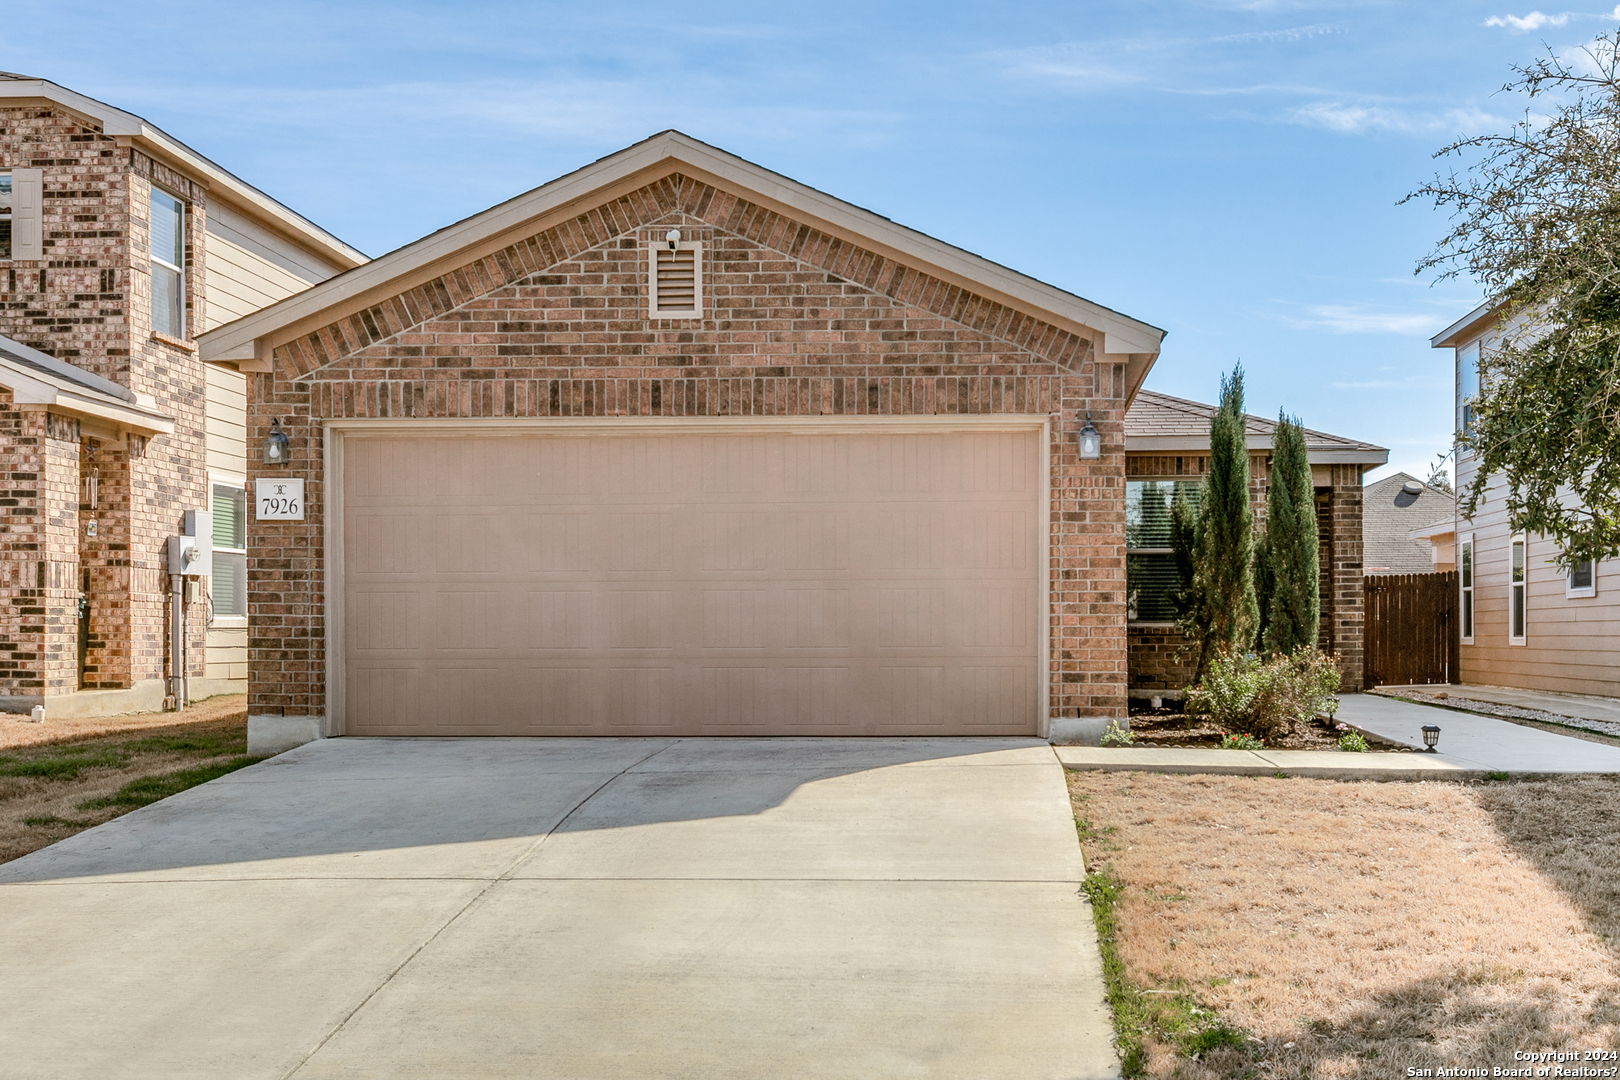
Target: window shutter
(676, 281)
(27, 199)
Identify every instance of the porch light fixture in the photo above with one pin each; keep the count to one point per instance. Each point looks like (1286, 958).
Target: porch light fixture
(1090, 442)
(1431, 735)
(275, 445)
(673, 237)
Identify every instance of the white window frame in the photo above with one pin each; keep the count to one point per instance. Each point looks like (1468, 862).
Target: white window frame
(180, 271)
(1519, 591)
(1466, 354)
(1467, 571)
(1580, 592)
(239, 483)
(655, 310)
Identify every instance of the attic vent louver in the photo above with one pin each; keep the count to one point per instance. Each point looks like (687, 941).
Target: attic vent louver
(676, 281)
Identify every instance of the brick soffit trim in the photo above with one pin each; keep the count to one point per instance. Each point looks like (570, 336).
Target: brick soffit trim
(675, 194)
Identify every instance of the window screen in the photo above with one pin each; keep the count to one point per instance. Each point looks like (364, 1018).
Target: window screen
(168, 264)
(229, 584)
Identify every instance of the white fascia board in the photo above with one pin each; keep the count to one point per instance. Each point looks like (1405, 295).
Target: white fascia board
(1118, 333)
(1463, 328)
(118, 123)
(1433, 532)
(29, 390)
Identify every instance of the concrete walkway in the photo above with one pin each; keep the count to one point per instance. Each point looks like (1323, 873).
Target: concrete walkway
(1479, 742)
(1328, 764)
(569, 908)
(1581, 706)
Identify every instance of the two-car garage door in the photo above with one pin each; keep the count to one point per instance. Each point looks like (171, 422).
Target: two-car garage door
(657, 582)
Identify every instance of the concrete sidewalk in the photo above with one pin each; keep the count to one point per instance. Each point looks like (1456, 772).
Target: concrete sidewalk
(1478, 742)
(1603, 710)
(1471, 747)
(726, 909)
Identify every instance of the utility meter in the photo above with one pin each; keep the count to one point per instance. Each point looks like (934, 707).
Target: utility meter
(188, 557)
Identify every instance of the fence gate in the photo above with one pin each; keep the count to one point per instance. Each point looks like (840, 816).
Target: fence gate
(1411, 629)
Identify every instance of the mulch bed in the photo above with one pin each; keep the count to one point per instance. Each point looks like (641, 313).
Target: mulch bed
(1168, 727)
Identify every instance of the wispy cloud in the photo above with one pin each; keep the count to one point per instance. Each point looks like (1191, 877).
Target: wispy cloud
(1354, 319)
(1085, 63)
(1293, 33)
(1353, 119)
(1524, 24)
(1416, 382)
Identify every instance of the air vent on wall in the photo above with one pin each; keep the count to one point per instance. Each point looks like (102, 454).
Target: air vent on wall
(676, 281)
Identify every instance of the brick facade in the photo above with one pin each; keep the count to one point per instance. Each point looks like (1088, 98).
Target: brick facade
(88, 301)
(796, 323)
(1161, 659)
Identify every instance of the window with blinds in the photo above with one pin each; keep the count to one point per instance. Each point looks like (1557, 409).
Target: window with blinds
(675, 279)
(1150, 564)
(168, 264)
(228, 587)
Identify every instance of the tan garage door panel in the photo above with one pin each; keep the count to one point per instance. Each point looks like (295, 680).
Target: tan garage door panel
(747, 584)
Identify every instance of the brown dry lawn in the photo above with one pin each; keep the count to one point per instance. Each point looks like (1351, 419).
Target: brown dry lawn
(49, 771)
(1356, 929)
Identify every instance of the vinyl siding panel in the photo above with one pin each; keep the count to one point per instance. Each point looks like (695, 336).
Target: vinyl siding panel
(250, 267)
(1572, 644)
(228, 655)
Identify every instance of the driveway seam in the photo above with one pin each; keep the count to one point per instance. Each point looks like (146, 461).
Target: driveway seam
(489, 884)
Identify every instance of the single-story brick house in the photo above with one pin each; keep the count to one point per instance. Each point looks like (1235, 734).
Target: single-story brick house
(1166, 445)
(677, 445)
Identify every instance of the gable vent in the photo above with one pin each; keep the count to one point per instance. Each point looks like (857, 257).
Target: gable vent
(676, 278)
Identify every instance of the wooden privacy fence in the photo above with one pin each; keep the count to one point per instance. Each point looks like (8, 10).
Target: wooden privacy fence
(1411, 629)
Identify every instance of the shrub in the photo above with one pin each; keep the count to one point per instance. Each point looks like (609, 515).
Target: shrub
(1239, 741)
(1266, 699)
(1117, 735)
(1352, 742)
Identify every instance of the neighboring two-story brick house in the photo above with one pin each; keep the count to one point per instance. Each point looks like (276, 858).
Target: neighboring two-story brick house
(676, 445)
(118, 246)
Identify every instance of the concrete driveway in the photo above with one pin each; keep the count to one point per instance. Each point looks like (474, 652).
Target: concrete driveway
(569, 908)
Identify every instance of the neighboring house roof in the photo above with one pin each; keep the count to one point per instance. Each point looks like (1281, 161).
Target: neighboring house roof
(1390, 513)
(1470, 325)
(18, 89)
(1159, 423)
(249, 340)
(35, 378)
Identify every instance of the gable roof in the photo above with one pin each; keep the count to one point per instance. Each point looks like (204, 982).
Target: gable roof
(1161, 423)
(251, 339)
(1389, 516)
(36, 378)
(1470, 325)
(18, 89)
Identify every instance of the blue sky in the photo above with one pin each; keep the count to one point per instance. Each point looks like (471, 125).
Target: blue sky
(1226, 169)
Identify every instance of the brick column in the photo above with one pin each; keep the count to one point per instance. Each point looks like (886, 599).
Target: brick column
(1347, 582)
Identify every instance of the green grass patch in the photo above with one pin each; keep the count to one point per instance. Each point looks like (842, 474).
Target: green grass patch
(1496, 776)
(63, 764)
(149, 789)
(47, 821)
(1169, 1014)
(204, 744)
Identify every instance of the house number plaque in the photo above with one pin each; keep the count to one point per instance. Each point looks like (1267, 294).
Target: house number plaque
(278, 499)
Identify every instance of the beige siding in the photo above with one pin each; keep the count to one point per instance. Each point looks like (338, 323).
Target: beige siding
(1572, 645)
(227, 655)
(250, 267)
(227, 420)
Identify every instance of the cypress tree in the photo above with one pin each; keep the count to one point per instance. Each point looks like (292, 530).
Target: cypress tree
(1224, 551)
(1289, 550)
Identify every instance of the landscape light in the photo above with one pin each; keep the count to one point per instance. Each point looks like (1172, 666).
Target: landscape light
(1431, 735)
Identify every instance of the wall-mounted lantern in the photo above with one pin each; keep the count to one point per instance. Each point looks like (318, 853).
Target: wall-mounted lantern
(1090, 442)
(275, 445)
